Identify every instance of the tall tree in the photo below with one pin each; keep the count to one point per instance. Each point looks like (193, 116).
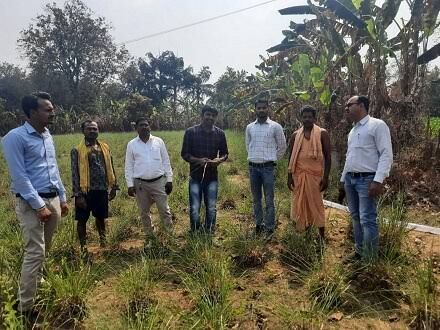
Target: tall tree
(14, 84)
(73, 43)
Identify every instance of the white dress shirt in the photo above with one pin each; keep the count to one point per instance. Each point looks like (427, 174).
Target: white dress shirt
(369, 149)
(147, 160)
(265, 142)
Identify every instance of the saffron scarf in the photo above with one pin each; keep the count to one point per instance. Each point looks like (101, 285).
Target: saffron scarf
(83, 165)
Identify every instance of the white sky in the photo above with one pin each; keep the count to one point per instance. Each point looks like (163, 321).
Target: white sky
(235, 41)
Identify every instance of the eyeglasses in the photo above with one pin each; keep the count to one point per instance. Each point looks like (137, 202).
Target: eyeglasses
(348, 105)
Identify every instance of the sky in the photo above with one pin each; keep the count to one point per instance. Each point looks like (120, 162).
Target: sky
(236, 40)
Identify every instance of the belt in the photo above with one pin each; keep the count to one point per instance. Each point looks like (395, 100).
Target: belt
(266, 164)
(360, 174)
(44, 195)
(150, 180)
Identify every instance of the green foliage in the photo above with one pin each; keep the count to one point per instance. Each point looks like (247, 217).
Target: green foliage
(7, 311)
(328, 290)
(424, 298)
(248, 249)
(135, 287)
(393, 227)
(302, 252)
(51, 45)
(210, 286)
(357, 3)
(434, 126)
(64, 292)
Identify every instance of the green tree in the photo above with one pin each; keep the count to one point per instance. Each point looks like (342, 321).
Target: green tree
(14, 84)
(72, 45)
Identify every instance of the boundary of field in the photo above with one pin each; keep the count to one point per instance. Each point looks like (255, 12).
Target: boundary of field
(410, 226)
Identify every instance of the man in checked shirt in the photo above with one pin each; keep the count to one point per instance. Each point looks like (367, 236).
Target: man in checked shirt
(265, 144)
(204, 148)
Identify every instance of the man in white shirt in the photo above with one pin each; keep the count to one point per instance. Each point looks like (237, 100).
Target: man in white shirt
(265, 144)
(149, 175)
(368, 163)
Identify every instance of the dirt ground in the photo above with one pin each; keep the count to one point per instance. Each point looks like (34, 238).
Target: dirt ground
(258, 292)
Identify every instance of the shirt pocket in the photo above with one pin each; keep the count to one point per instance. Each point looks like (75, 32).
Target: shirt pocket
(155, 153)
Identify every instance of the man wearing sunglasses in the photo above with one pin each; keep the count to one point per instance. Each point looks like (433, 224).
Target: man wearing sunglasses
(368, 163)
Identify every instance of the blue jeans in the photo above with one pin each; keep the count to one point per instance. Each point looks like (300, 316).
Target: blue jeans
(263, 180)
(209, 191)
(363, 211)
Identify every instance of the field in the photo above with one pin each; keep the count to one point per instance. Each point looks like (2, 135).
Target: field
(234, 280)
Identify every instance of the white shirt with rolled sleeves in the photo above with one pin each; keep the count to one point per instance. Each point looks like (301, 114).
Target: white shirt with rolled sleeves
(265, 142)
(369, 149)
(147, 160)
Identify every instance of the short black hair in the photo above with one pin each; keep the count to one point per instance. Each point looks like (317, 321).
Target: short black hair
(308, 108)
(364, 100)
(207, 108)
(85, 122)
(30, 102)
(263, 101)
(142, 119)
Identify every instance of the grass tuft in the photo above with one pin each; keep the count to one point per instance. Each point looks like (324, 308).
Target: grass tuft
(64, 293)
(301, 252)
(328, 289)
(247, 249)
(425, 306)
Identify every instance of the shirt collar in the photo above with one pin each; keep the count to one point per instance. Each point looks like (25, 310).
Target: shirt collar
(364, 120)
(149, 139)
(201, 128)
(268, 120)
(30, 129)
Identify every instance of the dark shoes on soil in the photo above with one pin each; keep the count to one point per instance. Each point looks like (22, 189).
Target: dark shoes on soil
(352, 258)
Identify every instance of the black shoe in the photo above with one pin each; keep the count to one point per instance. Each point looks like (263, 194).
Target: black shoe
(30, 318)
(259, 230)
(268, 234)
(102, 242)
(351, 258)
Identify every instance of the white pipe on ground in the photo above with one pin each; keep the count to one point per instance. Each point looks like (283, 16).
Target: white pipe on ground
(411, 226)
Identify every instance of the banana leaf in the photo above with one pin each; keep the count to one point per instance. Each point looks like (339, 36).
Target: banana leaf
(296, 10)
(429, 55)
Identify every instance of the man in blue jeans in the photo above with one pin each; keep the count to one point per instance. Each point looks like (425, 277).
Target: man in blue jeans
(265, 144)
(368, 163)
(204, 148)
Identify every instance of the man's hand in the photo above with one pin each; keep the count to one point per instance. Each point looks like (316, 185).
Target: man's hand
(324, 184)
(80, 202)
(202, 161)
(112, 194)
(43, 214)
(290, 182)
(215, 162)
(131, 191)
(375, 189)
(64, 209)
(168, 187)
(341, 194)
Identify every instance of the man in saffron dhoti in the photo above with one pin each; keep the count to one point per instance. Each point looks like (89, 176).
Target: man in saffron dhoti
(308, 171)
